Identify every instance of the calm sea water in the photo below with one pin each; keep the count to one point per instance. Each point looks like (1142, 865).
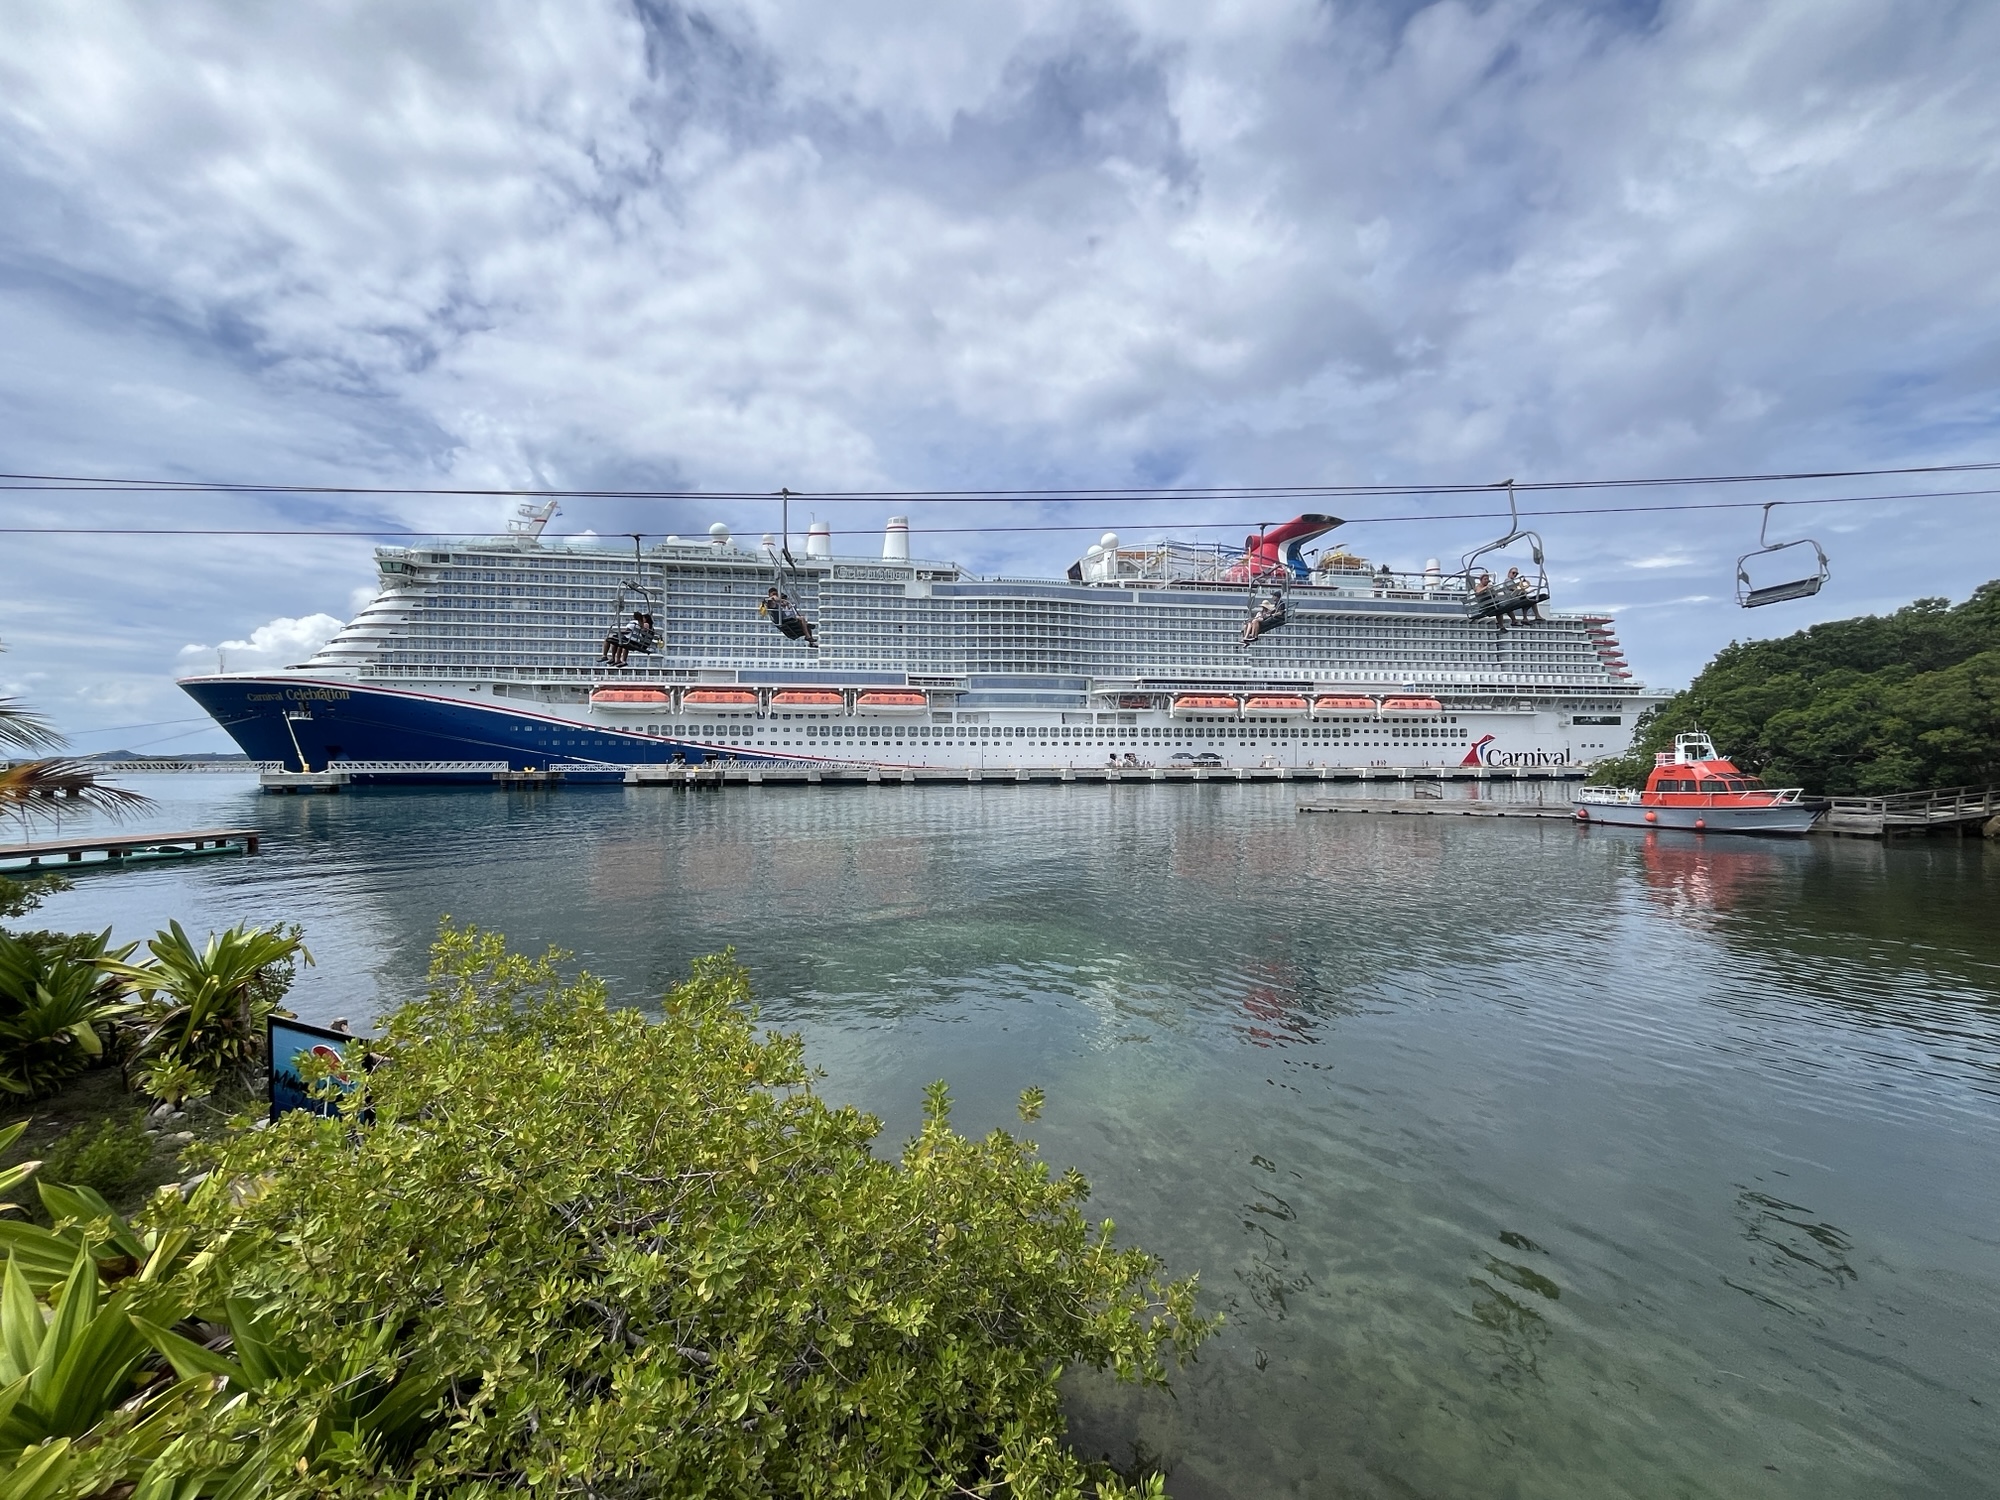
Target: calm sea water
(1523, 1160)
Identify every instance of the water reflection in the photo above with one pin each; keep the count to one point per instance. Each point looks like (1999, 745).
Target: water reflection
(1478, 1131)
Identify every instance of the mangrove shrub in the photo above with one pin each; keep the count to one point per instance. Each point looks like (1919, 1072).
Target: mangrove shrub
(605, 1254)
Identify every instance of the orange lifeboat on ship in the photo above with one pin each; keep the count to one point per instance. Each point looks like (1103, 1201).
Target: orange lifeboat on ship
(630, 699)
(1342, 704)
(1275, 704)
(880, 702)
(807, 698)
(1407, 705)
(1204, 703)
(719, 698)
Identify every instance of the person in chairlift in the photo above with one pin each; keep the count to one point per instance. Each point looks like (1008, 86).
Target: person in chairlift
(785, 615)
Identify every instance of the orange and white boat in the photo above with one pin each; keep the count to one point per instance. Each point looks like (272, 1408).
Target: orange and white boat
(1694, 787)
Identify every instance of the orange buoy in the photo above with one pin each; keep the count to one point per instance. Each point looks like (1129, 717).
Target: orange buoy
(1701, 822)
(1652, 817)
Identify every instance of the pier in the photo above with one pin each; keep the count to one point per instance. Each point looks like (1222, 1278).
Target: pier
(128, 848)
(1437, 808)
(717, 774)
(1957, 809)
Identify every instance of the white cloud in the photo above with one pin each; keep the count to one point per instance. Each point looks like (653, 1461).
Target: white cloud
(1042, 243)
(282, 642)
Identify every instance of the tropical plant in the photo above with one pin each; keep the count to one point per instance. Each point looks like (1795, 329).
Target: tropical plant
(86, 1406)
(56, 1004)
(587, 1252)
(12, 1177)
(203, 1009)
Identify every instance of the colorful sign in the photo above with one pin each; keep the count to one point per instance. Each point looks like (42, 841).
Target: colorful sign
(290, 1044)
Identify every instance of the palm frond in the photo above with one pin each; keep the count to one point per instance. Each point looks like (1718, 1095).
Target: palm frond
(49, 787)
(25, 729)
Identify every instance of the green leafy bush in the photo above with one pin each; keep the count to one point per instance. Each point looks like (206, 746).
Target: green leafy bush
(606, 1255)
(1881, 703)
(106, 1159)
(18, 897)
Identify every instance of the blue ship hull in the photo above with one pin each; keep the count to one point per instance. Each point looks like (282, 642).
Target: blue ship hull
(327, 721)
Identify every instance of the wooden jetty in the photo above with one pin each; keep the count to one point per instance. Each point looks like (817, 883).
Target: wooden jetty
(1436, 808)
(1956, 809)
(126, 848)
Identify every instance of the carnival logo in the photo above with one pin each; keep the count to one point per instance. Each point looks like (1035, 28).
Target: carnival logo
(1482, 753)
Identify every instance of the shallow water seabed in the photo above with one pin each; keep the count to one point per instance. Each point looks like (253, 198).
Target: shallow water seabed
(1523, 1159)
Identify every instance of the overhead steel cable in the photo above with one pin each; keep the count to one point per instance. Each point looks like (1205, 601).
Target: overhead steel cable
(1231, 526)
(74, 483)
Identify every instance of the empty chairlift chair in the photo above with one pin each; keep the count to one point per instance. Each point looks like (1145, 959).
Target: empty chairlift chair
(1794, 581)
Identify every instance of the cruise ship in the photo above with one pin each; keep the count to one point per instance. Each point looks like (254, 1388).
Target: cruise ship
(542, 652)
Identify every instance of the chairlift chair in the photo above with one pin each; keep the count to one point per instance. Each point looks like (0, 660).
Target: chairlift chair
(789, 618)
(1527, 592)
(1753, 596)
(633, 599)
(1268, 588)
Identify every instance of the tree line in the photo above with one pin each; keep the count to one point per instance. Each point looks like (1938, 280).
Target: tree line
(1882, 703)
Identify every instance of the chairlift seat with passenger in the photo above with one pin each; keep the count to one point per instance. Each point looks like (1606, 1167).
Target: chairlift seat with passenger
(1487, 600)
(1752, 595)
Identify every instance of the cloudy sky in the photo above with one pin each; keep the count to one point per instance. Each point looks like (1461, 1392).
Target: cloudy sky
(728, 247)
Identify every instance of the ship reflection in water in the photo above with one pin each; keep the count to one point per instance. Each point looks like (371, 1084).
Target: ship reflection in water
(1522, 1159)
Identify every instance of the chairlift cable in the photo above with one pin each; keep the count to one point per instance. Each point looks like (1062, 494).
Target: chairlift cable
(93, 483)
(1410, 518)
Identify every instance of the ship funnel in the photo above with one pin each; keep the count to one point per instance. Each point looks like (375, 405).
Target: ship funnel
(819, 540)
(896, 540)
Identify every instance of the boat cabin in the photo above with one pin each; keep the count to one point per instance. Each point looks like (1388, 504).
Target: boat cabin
(1694, 774)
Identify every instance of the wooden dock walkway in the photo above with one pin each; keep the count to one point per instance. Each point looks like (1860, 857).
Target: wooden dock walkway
(1959, 809)
(1431, 807)
(121, 848)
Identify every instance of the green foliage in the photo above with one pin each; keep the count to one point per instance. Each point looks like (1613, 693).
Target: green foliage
(106, 1159)
(574, 1250)
(203, 1009)
(19, 897)
(1881, 703)
(85, 1408)
(56, 1005)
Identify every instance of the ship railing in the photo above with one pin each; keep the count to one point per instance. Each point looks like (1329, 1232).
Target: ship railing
(1790, 796)
(1608, 795)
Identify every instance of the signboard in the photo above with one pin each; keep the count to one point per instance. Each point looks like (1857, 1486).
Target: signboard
(288, 1043)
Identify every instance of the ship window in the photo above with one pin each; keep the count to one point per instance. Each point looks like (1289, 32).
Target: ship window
(1709, 784)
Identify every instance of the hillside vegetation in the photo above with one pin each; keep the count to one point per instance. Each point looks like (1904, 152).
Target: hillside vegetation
(1883, 703)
